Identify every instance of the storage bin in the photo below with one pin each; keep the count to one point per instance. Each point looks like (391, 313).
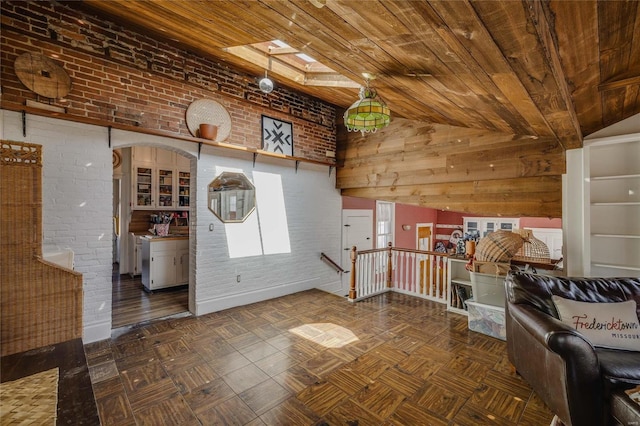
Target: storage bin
(488, 288)
(487, 319)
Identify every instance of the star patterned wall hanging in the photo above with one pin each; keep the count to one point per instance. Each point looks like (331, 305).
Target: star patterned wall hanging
(277, 136)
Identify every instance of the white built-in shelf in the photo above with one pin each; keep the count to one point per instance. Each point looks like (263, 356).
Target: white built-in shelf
(620, 203)
(615, 236)
(631, 176)
(617, 266)
(461, 281)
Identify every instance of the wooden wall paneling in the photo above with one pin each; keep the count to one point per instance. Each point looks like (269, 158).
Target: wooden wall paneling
(618, 22)
(410, 45)
(521, 186)
(472, 33)
(549, 206)
(540, 19)
(340, 37)
(576, 31)
(528, 60)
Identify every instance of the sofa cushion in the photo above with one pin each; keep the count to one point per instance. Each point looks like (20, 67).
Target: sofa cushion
(536, 290)
(610, 325)
(619, 367)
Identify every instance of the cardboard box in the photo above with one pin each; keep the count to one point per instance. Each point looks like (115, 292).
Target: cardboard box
(487, 319)
(495, 268)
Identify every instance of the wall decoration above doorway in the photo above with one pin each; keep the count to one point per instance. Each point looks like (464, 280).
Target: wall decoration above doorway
(277, 136)
(208, 111)
(42, 75)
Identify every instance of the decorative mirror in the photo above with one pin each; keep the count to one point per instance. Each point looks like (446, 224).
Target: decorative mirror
(232, 197)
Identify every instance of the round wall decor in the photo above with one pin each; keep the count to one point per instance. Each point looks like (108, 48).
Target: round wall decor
(42, 75)
(116, 159)
(207, 111)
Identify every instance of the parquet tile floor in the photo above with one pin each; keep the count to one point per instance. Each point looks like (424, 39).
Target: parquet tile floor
(311, 358)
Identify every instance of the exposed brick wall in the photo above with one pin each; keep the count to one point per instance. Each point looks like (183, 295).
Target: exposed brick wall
(122, 76)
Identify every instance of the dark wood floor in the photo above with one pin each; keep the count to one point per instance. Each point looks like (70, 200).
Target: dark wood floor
(75, 404)
(311, 358)
(131, 304)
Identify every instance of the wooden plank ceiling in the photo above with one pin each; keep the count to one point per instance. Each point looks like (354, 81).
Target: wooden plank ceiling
(485, 95)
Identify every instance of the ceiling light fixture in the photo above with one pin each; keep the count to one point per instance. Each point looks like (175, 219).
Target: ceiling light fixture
(266, 84)
(367, 114)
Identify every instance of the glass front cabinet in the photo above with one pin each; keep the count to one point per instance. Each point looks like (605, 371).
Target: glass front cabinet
(486, 225)
(159, 185)
(184, 181)
(165, 188)
(143, 187)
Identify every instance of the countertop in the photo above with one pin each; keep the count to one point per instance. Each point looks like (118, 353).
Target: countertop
(169, 237)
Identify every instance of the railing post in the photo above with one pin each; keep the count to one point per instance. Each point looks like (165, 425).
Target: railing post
(352, 282)
(389, 267)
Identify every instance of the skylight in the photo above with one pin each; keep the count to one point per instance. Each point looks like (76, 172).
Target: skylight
(284, 61)
(305, 57)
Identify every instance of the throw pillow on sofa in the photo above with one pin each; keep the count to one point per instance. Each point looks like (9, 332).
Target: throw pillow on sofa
(609, 325)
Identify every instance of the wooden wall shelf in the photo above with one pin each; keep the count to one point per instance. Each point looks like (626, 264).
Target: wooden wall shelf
(109, 124)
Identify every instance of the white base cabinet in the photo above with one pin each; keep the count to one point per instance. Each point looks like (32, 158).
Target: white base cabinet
(165, 262)
(136, 254)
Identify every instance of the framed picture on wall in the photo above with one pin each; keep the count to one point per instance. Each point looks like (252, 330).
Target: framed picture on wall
(277, 136)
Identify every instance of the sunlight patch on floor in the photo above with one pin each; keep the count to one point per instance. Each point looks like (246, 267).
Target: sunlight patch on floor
(326, 334)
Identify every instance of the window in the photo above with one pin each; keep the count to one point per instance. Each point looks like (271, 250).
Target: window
(279, 58)
(384, 223)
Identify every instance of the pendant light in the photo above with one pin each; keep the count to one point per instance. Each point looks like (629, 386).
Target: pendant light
(266, 84)
(367, 114)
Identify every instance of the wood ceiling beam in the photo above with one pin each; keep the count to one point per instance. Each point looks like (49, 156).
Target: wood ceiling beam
(547, 39)
(542, 204)
(617, 84)
(513, 188)
(274, 51)
(576, 31)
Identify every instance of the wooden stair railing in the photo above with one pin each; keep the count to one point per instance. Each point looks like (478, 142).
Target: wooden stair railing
(416, 272)
(326, 259)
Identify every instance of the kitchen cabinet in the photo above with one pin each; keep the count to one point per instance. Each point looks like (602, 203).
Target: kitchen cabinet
(166, 188)
(159, 181)
(184, 185)
(143, 178)
(485, 225)
(136, 251)
(182, 261)
(165, 262)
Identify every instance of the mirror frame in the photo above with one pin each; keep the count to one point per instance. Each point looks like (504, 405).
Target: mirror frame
(227, 182)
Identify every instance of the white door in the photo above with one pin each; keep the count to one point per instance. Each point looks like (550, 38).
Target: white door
(424, 268)
(357, 230)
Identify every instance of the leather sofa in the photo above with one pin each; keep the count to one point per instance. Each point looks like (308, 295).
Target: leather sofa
(574, 378)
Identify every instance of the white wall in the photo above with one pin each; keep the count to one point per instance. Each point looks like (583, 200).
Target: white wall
(312, 207)
(77, 204)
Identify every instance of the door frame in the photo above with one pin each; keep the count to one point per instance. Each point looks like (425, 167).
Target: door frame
(345, 277)
(423, 269)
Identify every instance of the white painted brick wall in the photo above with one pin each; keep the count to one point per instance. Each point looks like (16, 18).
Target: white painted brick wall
(313, 211)
(76, 202)
(77, 205)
